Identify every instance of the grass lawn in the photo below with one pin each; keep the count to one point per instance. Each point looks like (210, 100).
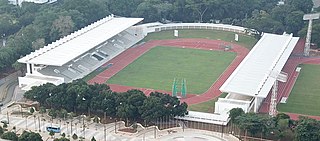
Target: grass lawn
(207, 107)
(244, 40)
(305, 96)
(157, 68)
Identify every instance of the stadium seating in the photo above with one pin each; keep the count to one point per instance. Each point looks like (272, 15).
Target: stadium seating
(94, 58)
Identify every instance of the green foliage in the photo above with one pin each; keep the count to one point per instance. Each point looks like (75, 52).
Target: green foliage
(80, 96)
(75, 136)
(1, 130)
(53, 113)
(93, 139)
(31, 110)
(254, 123)
(96, 119)
(30, 136)
(38, 22)
(51, 133)
(42, 110)
(307, 130)
(63, 134)
(234, 113)
(10, 136)
(62, 113)
(5, 125)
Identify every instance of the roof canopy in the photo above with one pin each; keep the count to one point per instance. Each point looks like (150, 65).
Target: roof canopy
(67, 48)
(256, 74)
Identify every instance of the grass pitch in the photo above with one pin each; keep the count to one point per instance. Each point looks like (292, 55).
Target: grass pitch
(157, 68)
(244, 40)
(305, 96)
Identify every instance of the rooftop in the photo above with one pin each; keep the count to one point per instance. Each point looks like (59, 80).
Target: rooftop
(257, 72)
(70, 47)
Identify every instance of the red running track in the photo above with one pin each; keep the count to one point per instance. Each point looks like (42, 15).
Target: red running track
(128, 56)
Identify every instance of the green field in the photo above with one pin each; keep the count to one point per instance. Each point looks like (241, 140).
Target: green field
(305, 96)
(157, 68)
(244, 40)
(207, 107)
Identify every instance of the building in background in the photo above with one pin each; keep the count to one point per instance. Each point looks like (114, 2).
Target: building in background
(19, 2)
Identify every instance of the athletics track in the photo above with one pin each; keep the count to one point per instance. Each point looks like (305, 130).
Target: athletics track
(128, 56)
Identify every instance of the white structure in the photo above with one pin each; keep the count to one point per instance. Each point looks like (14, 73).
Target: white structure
(309, 17)
(19, 2)
(157, 27)
(76, 55)
(253, 79)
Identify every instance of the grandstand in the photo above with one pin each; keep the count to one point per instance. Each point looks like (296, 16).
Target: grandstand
(253, 79)
(78, 54)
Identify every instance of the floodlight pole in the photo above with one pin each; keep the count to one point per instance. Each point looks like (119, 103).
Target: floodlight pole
(309, 17)
(282, 77)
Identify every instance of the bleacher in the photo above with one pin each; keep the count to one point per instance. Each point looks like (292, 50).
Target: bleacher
(91, 60)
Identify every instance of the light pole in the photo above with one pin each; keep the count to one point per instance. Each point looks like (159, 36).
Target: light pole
(115, 125)
(8, 117)
(71, 127)
(68, 128)
(104, 125)
(26, 122)
(35, 123)
(39, 124)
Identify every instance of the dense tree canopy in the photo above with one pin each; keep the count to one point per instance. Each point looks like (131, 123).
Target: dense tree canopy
(31, 26)
(308, 130)
(80, 97)
(30, 136)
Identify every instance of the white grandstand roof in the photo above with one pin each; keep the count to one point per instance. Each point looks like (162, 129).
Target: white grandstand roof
(64, 50)
(256, 73)
(206, 24)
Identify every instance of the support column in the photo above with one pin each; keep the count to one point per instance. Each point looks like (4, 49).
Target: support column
(28, 68)
(32, 68)
(256, 103)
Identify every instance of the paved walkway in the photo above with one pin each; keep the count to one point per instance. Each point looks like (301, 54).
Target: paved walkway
(101, 132)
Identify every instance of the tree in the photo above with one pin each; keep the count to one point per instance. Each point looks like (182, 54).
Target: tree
(263, 22)
(5, 125)
(75, 136)
(305, 5)
(61, 27)
(30, 136)
(199, 6)
(254, 123)
(307, 129)
(42, 110)
(234, 113)
(96, 119)
(38, 43)
(19, 66)
(123, 7)
(31, 110)
(93, 139)
(315, 33)
(10, 136)
(51, 133)
(1, 130)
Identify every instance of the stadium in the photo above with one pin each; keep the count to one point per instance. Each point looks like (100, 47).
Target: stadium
(214, 60)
